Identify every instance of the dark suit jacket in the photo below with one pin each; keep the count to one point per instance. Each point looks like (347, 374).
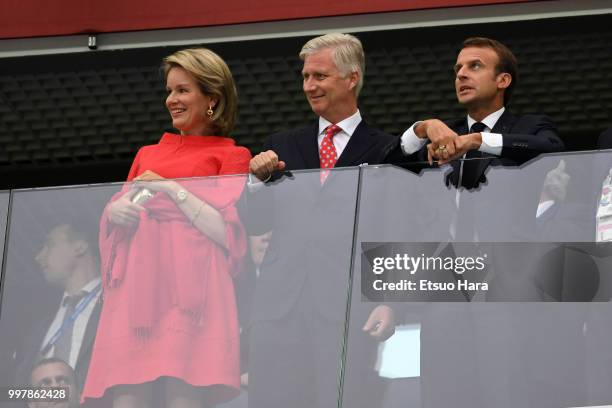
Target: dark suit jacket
(30, 353)
(299, 148)
(301, 209)
(504, 354)
(524, 138)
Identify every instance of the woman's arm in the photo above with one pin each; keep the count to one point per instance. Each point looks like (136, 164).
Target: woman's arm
(202, 215)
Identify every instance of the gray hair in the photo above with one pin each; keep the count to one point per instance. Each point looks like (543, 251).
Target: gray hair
(348, 55)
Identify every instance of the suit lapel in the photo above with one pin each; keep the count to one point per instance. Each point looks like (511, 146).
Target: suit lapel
(474, 169)
(308, 147)
(359, 144)
(503, 125)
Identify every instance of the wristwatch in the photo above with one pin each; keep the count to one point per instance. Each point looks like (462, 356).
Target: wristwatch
(181, 196)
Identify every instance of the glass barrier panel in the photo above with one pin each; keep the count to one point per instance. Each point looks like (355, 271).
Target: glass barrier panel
(52, 251)
(298, 320)
(198, 289)
(4, 204)
(499, 293)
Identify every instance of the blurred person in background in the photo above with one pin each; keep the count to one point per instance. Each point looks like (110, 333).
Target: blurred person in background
(69, 260)
(55, 373)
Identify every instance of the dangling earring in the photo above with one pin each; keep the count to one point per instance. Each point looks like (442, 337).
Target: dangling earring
(210, 112)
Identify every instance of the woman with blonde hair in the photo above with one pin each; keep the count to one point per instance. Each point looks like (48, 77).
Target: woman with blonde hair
(169, 249)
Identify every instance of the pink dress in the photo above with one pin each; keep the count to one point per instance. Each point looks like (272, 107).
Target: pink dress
(169, 305)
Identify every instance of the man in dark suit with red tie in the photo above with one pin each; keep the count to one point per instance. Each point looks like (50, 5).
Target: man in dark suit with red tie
(300, 303)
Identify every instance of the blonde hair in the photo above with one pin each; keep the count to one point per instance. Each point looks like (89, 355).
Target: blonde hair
(215, 80)
(348, 55)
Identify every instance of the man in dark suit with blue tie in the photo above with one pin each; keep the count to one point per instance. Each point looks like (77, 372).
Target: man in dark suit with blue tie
(69, 261)
(494, 354)
(300, 304)
(486, 73)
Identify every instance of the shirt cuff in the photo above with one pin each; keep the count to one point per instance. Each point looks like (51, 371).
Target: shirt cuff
(411, 143)
(492, 143)
(254, 184)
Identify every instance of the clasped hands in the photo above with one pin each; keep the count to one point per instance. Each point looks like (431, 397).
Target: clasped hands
(264, 164)
(446, 145)
(126, 213)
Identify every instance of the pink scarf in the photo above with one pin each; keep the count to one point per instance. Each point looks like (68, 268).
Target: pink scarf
(136, 250)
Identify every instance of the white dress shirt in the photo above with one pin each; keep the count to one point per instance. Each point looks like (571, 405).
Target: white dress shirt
(341, 138)
(492, 143)
(79, 325)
